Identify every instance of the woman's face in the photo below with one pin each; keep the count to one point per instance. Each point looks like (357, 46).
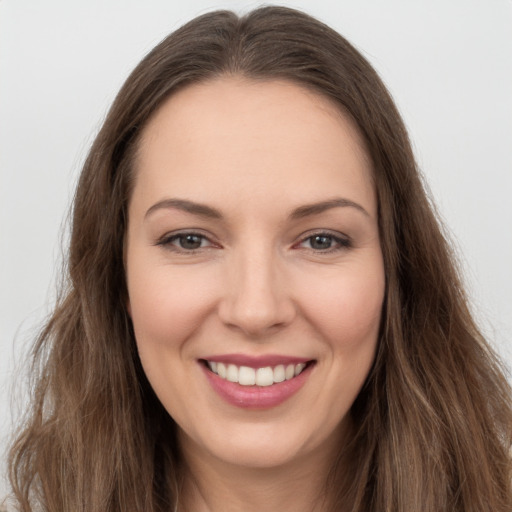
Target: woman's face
(253, 254)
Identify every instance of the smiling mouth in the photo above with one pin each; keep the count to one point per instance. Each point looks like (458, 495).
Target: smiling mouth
(265, 376)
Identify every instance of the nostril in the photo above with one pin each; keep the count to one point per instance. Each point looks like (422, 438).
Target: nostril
(256, 320)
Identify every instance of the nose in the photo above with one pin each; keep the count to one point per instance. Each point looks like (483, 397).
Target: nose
(257, 299)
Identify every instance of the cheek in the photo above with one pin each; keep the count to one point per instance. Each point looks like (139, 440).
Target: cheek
(347, 308)
(167, 303)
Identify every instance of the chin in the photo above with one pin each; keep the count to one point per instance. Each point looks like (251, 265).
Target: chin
(266, 446)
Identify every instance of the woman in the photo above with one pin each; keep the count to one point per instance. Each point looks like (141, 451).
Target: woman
(262, 311)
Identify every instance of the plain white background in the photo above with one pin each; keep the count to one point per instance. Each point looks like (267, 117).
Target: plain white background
(448, 63)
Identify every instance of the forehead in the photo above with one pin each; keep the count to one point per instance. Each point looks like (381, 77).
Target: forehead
(236, 134)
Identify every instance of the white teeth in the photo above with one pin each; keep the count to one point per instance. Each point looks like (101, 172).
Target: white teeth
(264, 376)
(289, 372)
(298, 368)
(279, 375)
(221, 370)
(232, 373)
(246, 376)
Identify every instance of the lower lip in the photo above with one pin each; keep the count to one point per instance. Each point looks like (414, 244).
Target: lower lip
(257, 397)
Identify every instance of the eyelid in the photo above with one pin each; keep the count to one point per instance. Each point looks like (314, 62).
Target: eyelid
(166, 240)
(343, 241)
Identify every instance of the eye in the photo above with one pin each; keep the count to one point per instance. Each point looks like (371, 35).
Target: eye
(185, 242)
(325, 242)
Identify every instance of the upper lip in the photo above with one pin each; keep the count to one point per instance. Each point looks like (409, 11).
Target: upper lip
(260, 361)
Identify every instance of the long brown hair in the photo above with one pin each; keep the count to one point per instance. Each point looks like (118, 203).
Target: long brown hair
(434, 419)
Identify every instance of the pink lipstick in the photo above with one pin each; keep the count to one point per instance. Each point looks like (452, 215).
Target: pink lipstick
(256, 382)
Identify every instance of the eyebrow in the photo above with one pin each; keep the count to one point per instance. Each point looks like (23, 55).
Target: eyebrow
(203, 210)
(187, 206)
(317, 208)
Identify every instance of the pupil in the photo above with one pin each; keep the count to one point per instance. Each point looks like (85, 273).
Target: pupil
(321, 242)
(190, 242)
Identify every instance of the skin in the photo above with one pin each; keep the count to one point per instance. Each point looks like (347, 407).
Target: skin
(259, 283)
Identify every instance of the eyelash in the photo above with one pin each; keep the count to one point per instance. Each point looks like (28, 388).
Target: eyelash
(341, 243)
(167, 241)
